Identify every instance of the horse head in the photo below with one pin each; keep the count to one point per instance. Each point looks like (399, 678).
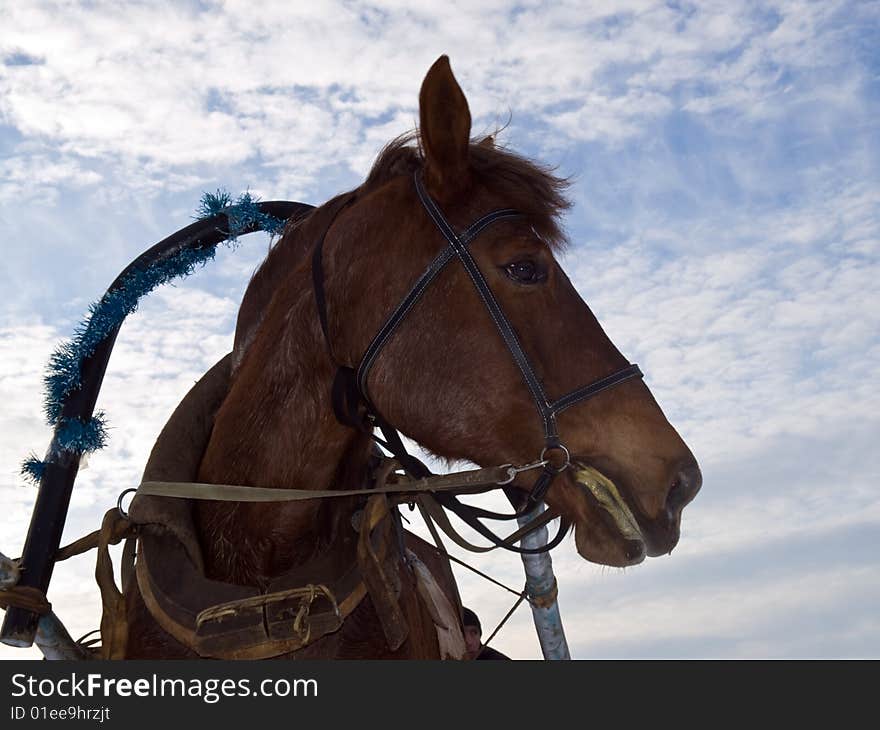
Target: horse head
(448, 375)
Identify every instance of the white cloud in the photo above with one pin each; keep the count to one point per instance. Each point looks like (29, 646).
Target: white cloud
(35, 175)
(165, 85)
(774, 617)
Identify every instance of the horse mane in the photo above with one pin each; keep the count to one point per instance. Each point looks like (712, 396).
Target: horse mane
(523, 184)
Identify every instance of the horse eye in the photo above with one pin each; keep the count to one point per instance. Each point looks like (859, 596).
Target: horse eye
(524, 272)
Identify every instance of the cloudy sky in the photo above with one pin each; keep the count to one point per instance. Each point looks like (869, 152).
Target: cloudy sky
(725, 161)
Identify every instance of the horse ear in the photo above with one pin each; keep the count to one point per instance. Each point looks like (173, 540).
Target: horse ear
(445, 129)
(487, 142)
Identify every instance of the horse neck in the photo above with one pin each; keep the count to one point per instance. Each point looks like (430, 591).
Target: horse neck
(276, 428)
(289, 252)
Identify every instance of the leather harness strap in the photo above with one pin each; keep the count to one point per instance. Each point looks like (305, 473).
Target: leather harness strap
(114, 619)
(32, 599)
(425, 492)
(432, 512)
(254, 625)
(473, 480)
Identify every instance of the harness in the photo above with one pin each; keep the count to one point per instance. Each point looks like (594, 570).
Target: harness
(292, 613)
(354, 407)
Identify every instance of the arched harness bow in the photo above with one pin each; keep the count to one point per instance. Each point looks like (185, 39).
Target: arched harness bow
(350, 387)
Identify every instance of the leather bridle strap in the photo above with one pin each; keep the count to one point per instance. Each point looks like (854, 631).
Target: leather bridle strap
(504, 327)
(422, 283)
(588, 391)
(546, 409)
(351, 388)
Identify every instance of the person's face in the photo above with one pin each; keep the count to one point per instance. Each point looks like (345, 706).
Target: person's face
(472, 638)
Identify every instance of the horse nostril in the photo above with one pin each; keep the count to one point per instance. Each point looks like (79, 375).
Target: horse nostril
(684, 488)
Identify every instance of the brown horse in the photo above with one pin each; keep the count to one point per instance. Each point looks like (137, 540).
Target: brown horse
(444, 378)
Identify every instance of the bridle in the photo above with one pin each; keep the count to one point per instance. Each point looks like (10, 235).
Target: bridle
(350, 387)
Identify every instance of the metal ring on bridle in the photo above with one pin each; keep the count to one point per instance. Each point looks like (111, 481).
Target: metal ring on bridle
(119, 502)
(565, 464)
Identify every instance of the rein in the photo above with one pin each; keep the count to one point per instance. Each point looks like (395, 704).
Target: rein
(421, 491)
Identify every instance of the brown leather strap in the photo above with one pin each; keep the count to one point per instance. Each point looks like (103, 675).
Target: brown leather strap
(379, 571)
(78, 547)
(431, 511)
(31, 599)
(126, 569)
(241, 634)
(114, 621)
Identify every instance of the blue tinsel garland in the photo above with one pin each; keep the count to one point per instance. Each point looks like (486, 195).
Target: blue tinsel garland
(64, 371)
(242, 214)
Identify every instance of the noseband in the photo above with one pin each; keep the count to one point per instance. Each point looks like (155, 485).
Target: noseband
(350, 388)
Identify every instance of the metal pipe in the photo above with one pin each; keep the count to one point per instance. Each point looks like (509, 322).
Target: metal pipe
(542, 590)
(53, 640)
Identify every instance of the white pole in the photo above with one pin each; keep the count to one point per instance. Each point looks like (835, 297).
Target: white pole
(541, 587)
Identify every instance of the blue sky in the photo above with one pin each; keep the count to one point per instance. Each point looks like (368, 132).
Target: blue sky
(724, 159)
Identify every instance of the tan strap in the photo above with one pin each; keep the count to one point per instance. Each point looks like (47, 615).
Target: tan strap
(461, 481)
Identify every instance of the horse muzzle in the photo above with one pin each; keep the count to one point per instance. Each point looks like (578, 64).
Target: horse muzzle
(662, 532)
